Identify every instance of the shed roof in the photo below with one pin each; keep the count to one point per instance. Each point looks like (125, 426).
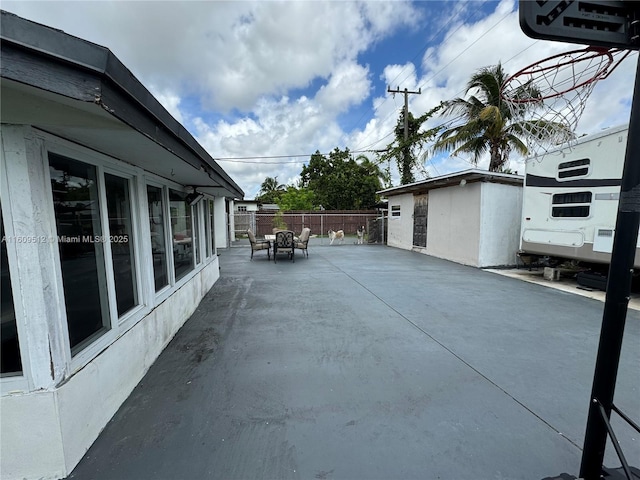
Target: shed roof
(80, 91)
(469, 176)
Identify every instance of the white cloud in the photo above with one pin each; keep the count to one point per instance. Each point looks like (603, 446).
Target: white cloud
(169, 100)
(250, 61)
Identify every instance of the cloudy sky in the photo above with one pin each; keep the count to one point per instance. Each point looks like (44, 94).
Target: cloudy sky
(263, 85)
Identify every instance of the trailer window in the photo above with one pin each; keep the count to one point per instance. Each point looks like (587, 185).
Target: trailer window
(574, 204)
(574, 168)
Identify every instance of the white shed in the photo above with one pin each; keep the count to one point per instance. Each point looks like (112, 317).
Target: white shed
(470, 217)
(111, 217)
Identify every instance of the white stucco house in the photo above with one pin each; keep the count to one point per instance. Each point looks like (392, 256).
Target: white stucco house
(111, 217)
(470, 217)
(246, 206)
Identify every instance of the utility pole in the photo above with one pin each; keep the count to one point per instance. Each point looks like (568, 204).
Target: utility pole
(406, 173)
(406, 107)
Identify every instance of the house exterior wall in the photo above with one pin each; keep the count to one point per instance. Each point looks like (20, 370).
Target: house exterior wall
(57, 426)
(400, 221)
(501, 208)
(453, 228)
(54, 410)
(248, 206)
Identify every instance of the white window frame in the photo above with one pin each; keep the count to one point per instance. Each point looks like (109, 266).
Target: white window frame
(148, 298)
(166, 291)
(132, 177)
(103, 164)
(573, 168)
(23, 381)
(209, 233)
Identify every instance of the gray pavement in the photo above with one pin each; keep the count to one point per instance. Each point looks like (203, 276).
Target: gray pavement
(368, 362)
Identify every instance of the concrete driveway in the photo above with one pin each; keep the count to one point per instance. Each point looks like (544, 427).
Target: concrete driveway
(369, 362)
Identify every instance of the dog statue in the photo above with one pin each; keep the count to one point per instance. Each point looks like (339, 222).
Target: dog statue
(339, 235)
(360, 232)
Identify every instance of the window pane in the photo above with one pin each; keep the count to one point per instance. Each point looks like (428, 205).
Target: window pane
(574, 197)
(77, 209)
(158, 250)
(570, 212)
(121, 239)
(212, 226)
(196, 230)
(574, 163)
(181, 232)
(576, 172)
(10, 362)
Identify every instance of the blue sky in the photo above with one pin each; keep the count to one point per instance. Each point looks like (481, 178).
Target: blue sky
(281, 79)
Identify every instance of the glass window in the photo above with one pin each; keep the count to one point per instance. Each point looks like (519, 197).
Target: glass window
(573, 204)
(574, 168)
(395, 210)
(121, 240)
(10, 362)
(212, 236)
(196, 231)
(576, 212)
(158, 242)
(574, 197)
(181, 232)
(77, 210)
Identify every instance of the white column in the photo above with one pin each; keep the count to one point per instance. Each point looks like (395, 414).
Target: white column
(220, 220)
(39, 304)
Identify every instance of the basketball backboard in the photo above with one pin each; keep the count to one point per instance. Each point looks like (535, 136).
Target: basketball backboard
(596, 23)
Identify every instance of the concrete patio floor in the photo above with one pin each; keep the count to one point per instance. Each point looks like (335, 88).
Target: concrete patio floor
(369, 362)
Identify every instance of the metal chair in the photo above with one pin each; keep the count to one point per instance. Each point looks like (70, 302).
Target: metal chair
(258, 245)
(303, 242)
(284, 243)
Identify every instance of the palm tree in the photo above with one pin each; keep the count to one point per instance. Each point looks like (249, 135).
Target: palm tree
(270, 190)
(490, 126)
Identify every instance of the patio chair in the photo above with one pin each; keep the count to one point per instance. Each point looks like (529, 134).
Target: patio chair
(258, 244)
(303, 241)
(284, 243)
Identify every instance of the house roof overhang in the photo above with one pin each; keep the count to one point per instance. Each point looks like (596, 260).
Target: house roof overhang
(466, 177)
(80, 91)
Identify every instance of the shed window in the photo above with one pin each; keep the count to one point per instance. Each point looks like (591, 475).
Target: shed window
(574, 168)
(395, 210)
(574, 204)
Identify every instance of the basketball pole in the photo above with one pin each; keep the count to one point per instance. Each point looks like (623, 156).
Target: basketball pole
(617, 299)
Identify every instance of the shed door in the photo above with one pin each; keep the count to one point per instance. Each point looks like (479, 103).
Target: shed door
(420, 207)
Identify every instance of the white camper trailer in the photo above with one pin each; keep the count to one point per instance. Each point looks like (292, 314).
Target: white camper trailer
(570, 199)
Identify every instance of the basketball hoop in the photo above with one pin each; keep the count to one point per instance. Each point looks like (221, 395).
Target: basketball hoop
(551, 94)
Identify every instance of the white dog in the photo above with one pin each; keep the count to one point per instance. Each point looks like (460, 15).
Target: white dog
(360, 233)
(339, 235)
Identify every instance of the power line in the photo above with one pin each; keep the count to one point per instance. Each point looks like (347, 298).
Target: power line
(251, 159)
(421, 50)
(433, 75)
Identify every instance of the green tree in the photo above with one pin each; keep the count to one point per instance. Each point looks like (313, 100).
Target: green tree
(489, 125)
(270, 191)
(297, 199)
(339, 182)
(409, 154)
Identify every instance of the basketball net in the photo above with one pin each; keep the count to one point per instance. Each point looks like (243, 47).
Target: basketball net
(549, 96)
